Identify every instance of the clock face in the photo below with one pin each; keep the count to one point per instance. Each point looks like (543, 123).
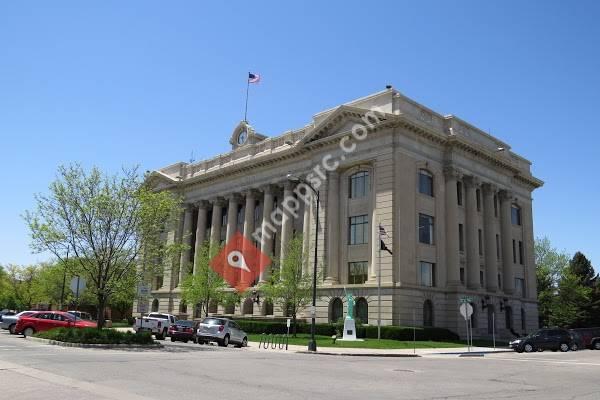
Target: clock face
(242, 137)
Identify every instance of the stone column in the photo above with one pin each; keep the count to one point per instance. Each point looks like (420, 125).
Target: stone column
(169, 264)
(186, 239)
(200, 231)
(333, 227)
(249, 226)
(215, 230)
(508, 280)
(306, 232)
(287, 225)
(489, 231)
(528, 242)
(452, 241)
(232, 213)
(472, 242)
(266, 243)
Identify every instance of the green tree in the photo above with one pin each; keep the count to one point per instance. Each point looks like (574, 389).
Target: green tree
(110, 226)
(25, 284)
(51, 279)
(581, 267)
(289, 287)
(205, 286)
(550, 263)
(569, 304)
(6, 293)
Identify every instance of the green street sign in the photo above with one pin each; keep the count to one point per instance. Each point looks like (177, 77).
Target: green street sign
(466, 300)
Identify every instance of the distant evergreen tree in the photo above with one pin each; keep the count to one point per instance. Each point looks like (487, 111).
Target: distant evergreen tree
(581, 268)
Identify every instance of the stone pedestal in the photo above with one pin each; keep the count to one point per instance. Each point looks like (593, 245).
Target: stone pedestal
(349, 330)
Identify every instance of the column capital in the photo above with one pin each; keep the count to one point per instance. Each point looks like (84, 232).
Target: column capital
(202, 203)
(451, 172)
(472, 181)
(251, 193)
(235, 197)
(218, 201)
(269, 188)
(489, 188)
(505, 195)
(187, 206)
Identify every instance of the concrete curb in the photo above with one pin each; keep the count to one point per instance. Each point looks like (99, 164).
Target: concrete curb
(96, 346)
(385, 355)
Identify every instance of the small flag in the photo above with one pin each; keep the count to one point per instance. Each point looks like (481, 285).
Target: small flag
(382, 245)
(253, 78)
(385, 248)
(382, 232)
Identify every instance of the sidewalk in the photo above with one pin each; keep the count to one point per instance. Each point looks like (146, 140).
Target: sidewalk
(456, 351)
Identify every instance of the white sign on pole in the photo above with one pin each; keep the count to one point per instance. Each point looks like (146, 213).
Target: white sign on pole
(466, 310)
(289, 322)
(142, 307)
(143, 290)
(77, 285)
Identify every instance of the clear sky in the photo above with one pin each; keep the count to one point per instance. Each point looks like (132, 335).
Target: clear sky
(112, 83)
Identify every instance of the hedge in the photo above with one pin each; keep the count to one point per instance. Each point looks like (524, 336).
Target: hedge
(95, 336)
(370, 332)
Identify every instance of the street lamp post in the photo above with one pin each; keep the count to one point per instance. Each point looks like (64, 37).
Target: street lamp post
(312, 344)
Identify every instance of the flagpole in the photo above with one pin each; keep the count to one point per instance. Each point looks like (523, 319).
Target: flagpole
(379, 288)
(247, 90)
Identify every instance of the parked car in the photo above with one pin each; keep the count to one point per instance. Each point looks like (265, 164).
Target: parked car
(590, 337)
(156, 323)
(45, 320)
(544, 339)
(221, 330)
(81, 315)
(182, 330)
(7, 313)
(10, 321)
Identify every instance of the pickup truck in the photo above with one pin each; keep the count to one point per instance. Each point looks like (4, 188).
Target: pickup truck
(156, 323)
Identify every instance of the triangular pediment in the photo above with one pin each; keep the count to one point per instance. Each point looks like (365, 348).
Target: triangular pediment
(342, 119)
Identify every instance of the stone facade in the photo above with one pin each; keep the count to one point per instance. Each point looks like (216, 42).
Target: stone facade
(454, 201)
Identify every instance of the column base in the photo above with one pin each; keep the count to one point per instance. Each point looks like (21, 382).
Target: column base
(330, 281)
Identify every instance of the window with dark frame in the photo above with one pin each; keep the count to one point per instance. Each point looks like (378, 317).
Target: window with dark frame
(515, 214)
(498, 247)
(358, 228)
(461, 238)
(480, 241)
(357, 272)
(425, 182)
(459, 193)
(478, 199)
(514, 242)
(427, 274)
(521, 253)
(425, 229)
(359, 185)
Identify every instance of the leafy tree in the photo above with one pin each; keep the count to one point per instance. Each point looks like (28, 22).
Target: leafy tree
(109, 225)
(52, 280)
(289, 287)
(581, 267)
(550, 263)
(568, 306)
(206, 286)
(24, 282)
(6, 293)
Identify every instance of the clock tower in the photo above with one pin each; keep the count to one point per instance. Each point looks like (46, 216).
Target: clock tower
(243, 135)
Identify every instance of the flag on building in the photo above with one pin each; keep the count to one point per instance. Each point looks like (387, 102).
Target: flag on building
(253, 78)
(382, 244)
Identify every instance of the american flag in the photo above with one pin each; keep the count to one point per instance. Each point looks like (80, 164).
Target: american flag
(382, 231)
(382, 234)
(253, 78)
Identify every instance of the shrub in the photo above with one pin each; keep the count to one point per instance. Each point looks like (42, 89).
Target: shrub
(95, 336)
(362, 331)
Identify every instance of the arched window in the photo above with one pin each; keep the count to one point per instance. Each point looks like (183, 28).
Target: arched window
(359, 184)
(425, 182)
(213, 307)
(248, 307)
(267, 308)
(183, 307)
(509, 317)
(198, 310)
(155, 305)
(229, 308)
(428, 313)
(361, 310)
(336, 310)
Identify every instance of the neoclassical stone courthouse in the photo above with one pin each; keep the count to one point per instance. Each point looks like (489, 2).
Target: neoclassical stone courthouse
(455, 202)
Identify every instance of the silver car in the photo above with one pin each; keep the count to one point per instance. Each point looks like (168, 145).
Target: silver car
(10, 321)
(221, 330)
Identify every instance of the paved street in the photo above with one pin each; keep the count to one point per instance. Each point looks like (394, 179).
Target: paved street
(30, 370)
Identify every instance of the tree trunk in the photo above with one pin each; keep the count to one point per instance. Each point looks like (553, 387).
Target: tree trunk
(100, 311)
(294, 329)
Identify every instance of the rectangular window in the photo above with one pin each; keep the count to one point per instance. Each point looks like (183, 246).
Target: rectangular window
(462, 275)
(521, 254)
(459, 193)
(481, 278)
(515, 214)
(425, 183)
(480, 240)
(357, 272)
(358, 230)
(224, 217)
(461, 238)
(497, 246)
(499, 281)
(425, 229)
(514, 251)
(427, 274)
(520, 286)
(359, 185)
(478, 199)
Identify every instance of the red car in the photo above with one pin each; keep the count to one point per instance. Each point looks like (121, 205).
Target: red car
(45, 320)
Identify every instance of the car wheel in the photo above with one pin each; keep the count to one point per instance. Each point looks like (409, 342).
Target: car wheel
(528, 348)
(11, 329)
(172, 339)
(597, 345)
(225, 341)
(159, 336)
(564, 347)
(185, 341)
(28, 332)
(574, 347)
(245, 342)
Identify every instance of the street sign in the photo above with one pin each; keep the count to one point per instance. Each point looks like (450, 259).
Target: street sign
(466, 299)
(289, 322)
(142, 307)
(77, 285)
(466, 310)
(143, 289)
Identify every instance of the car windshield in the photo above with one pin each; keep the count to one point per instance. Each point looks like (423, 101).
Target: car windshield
(161, 316)
(213, 321)
(184, 322)
(24, 313)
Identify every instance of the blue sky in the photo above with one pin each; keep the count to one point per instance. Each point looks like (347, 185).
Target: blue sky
(116, 83)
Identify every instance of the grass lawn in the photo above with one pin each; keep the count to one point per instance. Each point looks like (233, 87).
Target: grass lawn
(325, 341)
(121, 324)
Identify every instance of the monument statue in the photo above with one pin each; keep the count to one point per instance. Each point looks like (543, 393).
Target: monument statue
(351, 303)
(349, 324)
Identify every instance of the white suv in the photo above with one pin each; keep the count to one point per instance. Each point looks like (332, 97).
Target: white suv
(221, 330)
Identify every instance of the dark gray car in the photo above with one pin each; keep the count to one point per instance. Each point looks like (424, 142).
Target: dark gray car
(10, 321)
(221, 330)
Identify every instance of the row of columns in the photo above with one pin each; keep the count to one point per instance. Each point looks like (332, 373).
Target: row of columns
(473, 267)
(233, 203)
